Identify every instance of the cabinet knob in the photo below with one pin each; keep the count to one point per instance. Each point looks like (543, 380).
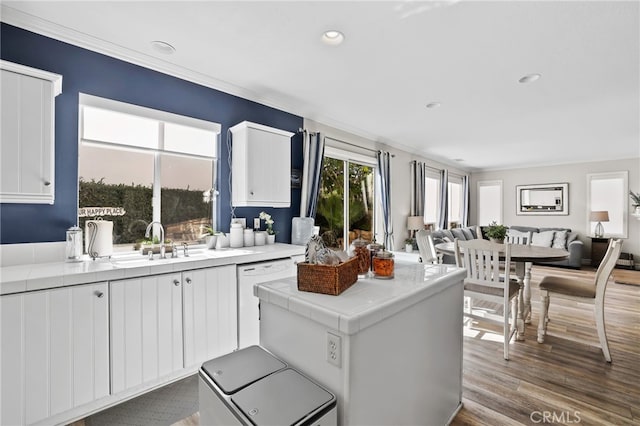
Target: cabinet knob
(47, 183)
(250, 192)
(99, 294)
(176, 282)
(188, 280)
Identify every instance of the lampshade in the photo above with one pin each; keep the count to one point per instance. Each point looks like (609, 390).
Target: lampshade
(599, 216)
(415, 222)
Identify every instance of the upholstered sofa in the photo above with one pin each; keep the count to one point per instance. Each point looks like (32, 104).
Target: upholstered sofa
(558, 238)
(448, 235)
(549, 237)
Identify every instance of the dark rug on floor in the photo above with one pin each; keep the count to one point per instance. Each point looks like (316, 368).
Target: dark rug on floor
(163, 406)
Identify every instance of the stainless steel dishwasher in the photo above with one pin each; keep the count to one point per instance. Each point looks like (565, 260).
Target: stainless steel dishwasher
(248, 312)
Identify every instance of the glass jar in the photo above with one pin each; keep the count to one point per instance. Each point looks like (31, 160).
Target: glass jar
(373, 249)
(383, 264)
(360, 250)
(74, 244)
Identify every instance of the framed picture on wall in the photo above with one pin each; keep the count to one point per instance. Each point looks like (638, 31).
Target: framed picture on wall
(544, 199)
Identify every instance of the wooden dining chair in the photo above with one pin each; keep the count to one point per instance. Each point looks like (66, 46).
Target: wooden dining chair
(484, 281)
(517, 237)
(583, 291)
(426, 247)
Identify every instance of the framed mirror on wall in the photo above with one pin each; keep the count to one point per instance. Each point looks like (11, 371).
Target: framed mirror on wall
(544, 199)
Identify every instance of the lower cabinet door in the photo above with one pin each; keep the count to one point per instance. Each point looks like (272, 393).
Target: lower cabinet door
(146, 329)
(210, 313)
(55, 351)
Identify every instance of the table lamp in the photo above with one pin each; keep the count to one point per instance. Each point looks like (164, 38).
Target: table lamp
(414, 223)
(599, 216)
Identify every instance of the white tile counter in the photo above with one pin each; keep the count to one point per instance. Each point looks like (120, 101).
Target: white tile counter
(30, 277)
(368, 301)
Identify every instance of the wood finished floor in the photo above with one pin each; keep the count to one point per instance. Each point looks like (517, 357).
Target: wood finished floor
(565, 378)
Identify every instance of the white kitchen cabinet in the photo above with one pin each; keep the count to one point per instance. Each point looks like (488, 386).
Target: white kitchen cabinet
(55, 351)
(210, 320)
(146, 329)
(260, 166)
(163, 324)
(27, 150)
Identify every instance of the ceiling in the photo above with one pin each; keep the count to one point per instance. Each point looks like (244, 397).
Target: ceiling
(396, 58)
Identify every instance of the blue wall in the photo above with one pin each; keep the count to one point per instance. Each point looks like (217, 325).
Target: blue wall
(96, 74)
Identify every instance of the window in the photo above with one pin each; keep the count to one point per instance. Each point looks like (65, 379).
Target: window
(138, 165)
(608, 192)
(455, 200)
(489, 202)
(431, 198)
(346, 191)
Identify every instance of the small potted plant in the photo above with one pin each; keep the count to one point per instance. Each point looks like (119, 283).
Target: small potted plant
(496, 233)
(635, 201)
(408, 245)
(271, 234)
(210, 236)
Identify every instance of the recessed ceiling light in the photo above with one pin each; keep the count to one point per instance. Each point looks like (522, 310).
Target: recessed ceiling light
(163, 47)
(432, 105)
(332, 37)
(529, 78)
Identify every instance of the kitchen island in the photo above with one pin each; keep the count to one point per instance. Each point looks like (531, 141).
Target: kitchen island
(390, 350)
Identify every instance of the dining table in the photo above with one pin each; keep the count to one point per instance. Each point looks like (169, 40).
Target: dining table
(523, 257)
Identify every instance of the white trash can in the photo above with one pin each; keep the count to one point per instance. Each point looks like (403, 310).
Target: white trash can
(252, 387)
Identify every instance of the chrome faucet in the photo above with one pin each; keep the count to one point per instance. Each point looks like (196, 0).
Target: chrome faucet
(147, 233)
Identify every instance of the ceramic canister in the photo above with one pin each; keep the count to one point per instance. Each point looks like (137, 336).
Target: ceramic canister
(248, 237)
(235, 236)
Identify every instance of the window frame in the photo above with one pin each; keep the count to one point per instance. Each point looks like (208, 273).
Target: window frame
(624, 204)
(435, 175)
(162, 118)
(455, 179)
(491, 183)
(357, 158)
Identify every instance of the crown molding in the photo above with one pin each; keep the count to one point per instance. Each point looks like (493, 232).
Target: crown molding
(58, 32)
(49, 29)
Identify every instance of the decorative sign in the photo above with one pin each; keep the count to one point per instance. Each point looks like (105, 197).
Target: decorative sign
(100, 211)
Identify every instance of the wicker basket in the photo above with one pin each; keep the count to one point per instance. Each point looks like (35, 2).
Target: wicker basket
(327, 279)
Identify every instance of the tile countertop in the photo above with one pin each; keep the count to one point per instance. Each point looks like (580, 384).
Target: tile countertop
(366, 302)
(41, 276)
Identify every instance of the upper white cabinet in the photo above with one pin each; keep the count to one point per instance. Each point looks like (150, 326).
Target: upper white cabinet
(260, 166)
(27, 135)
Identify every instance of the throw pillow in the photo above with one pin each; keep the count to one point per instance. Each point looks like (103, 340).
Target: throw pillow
(468, 234)
(458, 233)
(560, 240)
(513, 236)
(542, 239)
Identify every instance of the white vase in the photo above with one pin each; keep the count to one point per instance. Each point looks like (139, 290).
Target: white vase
(210, 241)
(408, 248)
(260, 238)
(222, 241)
(271, 238)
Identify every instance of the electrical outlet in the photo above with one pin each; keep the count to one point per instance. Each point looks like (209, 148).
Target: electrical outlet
(256, 223)
(334, 349)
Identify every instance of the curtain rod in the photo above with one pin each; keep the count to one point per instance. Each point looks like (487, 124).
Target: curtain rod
(428, 167)
(354, 145)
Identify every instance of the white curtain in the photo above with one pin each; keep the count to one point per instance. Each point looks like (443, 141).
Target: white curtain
(313, 151)
(384, 178)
